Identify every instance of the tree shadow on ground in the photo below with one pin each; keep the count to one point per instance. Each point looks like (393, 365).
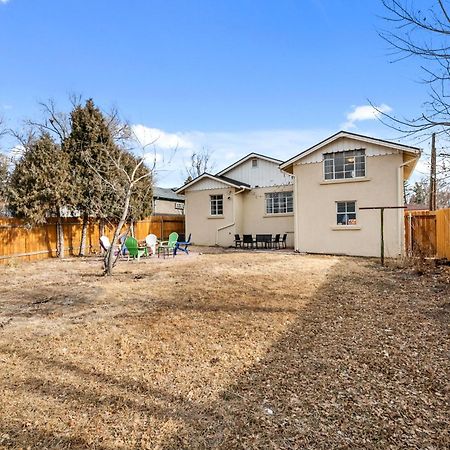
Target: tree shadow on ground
(360, 368)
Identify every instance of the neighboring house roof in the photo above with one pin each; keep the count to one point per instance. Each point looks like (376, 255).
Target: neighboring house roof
(347, 134)
(246, 158)
(222, 179)
(160, 193)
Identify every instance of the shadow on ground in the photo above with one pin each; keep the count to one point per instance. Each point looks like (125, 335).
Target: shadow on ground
(365, 365)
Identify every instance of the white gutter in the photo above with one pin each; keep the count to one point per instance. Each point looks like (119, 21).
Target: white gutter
(401, 213)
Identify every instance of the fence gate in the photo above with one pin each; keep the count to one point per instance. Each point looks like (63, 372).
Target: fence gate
(421, 235)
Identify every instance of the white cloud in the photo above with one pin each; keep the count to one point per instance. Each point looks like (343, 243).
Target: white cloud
(172, 149)
(4, 1)
(365, 112)
(159, 138)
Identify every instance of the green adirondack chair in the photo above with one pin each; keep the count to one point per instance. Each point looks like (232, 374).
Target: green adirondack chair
(165, 247)
(134, 251)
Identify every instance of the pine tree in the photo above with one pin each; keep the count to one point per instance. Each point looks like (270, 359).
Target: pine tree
(89, 146)
(4, 174)
(39, 186)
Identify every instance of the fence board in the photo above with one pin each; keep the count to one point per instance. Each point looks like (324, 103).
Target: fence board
(427, 233)
(19, 241)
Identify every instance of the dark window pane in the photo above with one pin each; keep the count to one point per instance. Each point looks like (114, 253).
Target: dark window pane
(350, 206)
(341, 207)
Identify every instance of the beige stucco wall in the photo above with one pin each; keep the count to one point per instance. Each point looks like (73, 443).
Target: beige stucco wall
(165, 207)
(256, 221)
(203, 226)
(315, 208)
(244, 213)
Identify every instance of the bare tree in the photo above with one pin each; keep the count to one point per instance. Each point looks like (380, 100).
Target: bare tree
(420, 29)
(199, 162)
(131, 187)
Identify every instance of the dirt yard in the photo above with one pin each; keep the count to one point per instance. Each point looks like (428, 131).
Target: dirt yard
(234, 350)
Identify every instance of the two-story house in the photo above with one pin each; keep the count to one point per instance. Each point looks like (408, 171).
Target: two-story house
(315, 197)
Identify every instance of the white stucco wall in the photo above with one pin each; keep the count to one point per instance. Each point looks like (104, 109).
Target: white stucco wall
(315, 205)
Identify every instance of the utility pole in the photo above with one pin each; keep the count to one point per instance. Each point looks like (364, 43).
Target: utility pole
(433, 173)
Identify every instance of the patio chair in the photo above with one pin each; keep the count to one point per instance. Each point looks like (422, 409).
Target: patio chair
(134, 250)
(165, 247)
(105, 244)
(237, 241)
(262, 240)
(180, 244)
(247, 240)
(276, 241)
(151, 241)
(283, 242)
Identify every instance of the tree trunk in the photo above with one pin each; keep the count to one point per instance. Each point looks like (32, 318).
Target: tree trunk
(109, 258)
(83, 235)
(60, 237)
(101, 227)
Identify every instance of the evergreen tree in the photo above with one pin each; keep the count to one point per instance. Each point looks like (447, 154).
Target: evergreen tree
(4, 174)
(39, 186)
(89, 146)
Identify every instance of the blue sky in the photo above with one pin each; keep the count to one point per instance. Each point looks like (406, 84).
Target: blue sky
(234, 76)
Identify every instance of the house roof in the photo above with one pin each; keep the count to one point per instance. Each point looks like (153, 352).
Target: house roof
(222, 179)
(286, 166)
(246, 158)
(167, 194)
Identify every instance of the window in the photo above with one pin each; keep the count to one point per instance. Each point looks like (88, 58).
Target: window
(216, 205)
(341, 165)
(254, 162)
(346, 213)
(279, 202)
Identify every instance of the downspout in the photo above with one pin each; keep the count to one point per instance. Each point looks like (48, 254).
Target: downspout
(234, 217)
(296, 209)
(401, 213)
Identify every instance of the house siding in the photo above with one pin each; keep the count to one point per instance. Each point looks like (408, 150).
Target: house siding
(205, 228)
(315, 207)
(265, 174)
(255, 219)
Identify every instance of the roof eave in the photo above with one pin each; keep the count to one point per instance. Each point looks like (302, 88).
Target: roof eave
(401, 147)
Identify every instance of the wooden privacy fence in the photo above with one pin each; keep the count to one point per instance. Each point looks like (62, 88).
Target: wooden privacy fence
(19, 241)
(427, 233)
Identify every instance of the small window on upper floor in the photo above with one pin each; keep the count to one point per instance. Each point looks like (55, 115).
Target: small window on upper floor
(255, 162)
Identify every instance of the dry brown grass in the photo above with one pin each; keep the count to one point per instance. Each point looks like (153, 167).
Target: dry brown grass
(232, 350)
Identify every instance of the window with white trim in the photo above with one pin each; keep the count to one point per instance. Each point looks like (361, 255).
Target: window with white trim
(254, 162)
(279, 202)
(346, 213)
(216, 202)
(344, 165)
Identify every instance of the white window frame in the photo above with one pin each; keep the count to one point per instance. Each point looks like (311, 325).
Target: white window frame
(216, 205)
(279, 202)
(349, 221)
(254, 163)
(350, 169)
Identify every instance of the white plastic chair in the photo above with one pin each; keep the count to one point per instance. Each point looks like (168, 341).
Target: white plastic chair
(151, 240)
(105, 243)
